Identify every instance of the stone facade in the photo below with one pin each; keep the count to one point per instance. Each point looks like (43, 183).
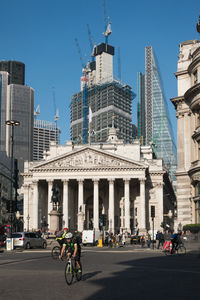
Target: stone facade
(187, 105)
(121, 181)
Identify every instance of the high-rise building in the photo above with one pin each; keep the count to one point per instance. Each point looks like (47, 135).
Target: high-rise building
(15, 69)
(110, 101)
(4, 79)
(20, 107)
(141, 106)
(154, 122)
(44, 133)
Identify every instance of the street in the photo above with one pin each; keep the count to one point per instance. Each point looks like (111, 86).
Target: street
(107, 274)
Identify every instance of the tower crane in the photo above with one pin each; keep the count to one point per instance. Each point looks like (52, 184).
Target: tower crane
(56, 116)
(37, 111)
(84, 80)
(107, 23)
(92, 45)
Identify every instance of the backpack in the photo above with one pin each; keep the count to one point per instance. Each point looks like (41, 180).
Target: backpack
(59, 234)
(77, 239)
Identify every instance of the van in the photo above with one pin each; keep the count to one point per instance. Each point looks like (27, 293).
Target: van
(90, 237)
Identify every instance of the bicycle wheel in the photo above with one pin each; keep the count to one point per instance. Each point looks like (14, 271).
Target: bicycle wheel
(69, 273)
(55, 252)
(167, 252)
(181, 250)
(78, 273)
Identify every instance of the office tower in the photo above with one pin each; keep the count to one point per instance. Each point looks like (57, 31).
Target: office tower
(4, 79)
(110, 101)
(141, 107)
(44, 133)
(20, 107)
(15, 69)
(153, 113)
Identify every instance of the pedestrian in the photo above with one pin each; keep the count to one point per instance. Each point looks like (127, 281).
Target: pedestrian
(157, 239)
(148, 240)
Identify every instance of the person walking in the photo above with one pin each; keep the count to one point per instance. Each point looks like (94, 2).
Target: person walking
(148, 240)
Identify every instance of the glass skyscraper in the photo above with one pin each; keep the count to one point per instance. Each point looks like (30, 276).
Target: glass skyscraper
(153, 113)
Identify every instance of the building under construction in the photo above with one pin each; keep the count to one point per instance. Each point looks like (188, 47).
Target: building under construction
(102, 102)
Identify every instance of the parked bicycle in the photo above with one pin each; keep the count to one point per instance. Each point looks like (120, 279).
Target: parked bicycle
(71, 270)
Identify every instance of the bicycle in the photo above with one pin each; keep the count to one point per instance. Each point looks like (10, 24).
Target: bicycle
(56, 251)
(71, 269)
(178, 249)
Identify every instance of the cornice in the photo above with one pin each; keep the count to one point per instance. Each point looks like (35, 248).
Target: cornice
(177, 100)
(62, 170)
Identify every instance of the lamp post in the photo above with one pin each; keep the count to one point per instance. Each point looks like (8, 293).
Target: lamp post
(11, 123)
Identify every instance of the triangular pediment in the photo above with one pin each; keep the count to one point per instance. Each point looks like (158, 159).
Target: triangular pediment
(89, 158)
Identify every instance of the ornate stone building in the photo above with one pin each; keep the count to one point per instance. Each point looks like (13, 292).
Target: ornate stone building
(121, 181)
(187, 105)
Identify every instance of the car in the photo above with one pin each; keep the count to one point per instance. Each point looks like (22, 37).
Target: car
(28, 240)
(135, 239)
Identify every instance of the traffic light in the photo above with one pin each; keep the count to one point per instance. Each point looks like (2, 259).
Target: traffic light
(152, 211)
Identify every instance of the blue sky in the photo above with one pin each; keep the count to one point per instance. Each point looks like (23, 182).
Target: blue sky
(41, 34)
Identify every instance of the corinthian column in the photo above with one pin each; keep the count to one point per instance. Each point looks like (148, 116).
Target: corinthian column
(50, 184)
(65, 203)
(80, 205)
(96, 205)
(127, 203)
(35, 205)
(111, 206)
(142, 219)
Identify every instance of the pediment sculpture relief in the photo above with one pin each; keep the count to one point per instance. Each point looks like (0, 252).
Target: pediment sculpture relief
(87, 159)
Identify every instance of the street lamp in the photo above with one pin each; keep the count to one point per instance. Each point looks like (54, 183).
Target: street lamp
(11, 123)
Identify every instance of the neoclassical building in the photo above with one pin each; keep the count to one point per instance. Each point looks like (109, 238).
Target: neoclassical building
(121, 181)
(187, 105)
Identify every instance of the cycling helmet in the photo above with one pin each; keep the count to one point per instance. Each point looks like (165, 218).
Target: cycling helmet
(65, 229)
(69, 235)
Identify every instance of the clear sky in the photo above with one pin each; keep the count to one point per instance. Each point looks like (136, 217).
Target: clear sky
(41, 34)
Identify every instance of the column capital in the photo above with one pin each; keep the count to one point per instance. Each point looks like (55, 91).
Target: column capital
(111, 180)
(95, 180)
(65, 180)
(142, 180)
(80, 180)
(126, 180)
(50, 181)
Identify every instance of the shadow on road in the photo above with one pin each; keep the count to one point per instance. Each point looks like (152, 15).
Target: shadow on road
(160, 277)
(90, 275)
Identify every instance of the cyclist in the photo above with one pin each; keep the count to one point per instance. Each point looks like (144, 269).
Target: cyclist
(61, 237)
(74, 249)
(175, 240)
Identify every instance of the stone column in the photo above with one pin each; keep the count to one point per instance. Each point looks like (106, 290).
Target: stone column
(96, 205)
(127, 204)
(35, 204)
(80, 205)
(26, 207)
(65, 203)
(50, 206)
(111, 206)
(142, 219)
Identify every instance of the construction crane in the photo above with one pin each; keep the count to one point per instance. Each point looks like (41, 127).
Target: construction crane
(92, 45)
(37, 111)
(56, 116)
(84, 80)
(107, 23)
